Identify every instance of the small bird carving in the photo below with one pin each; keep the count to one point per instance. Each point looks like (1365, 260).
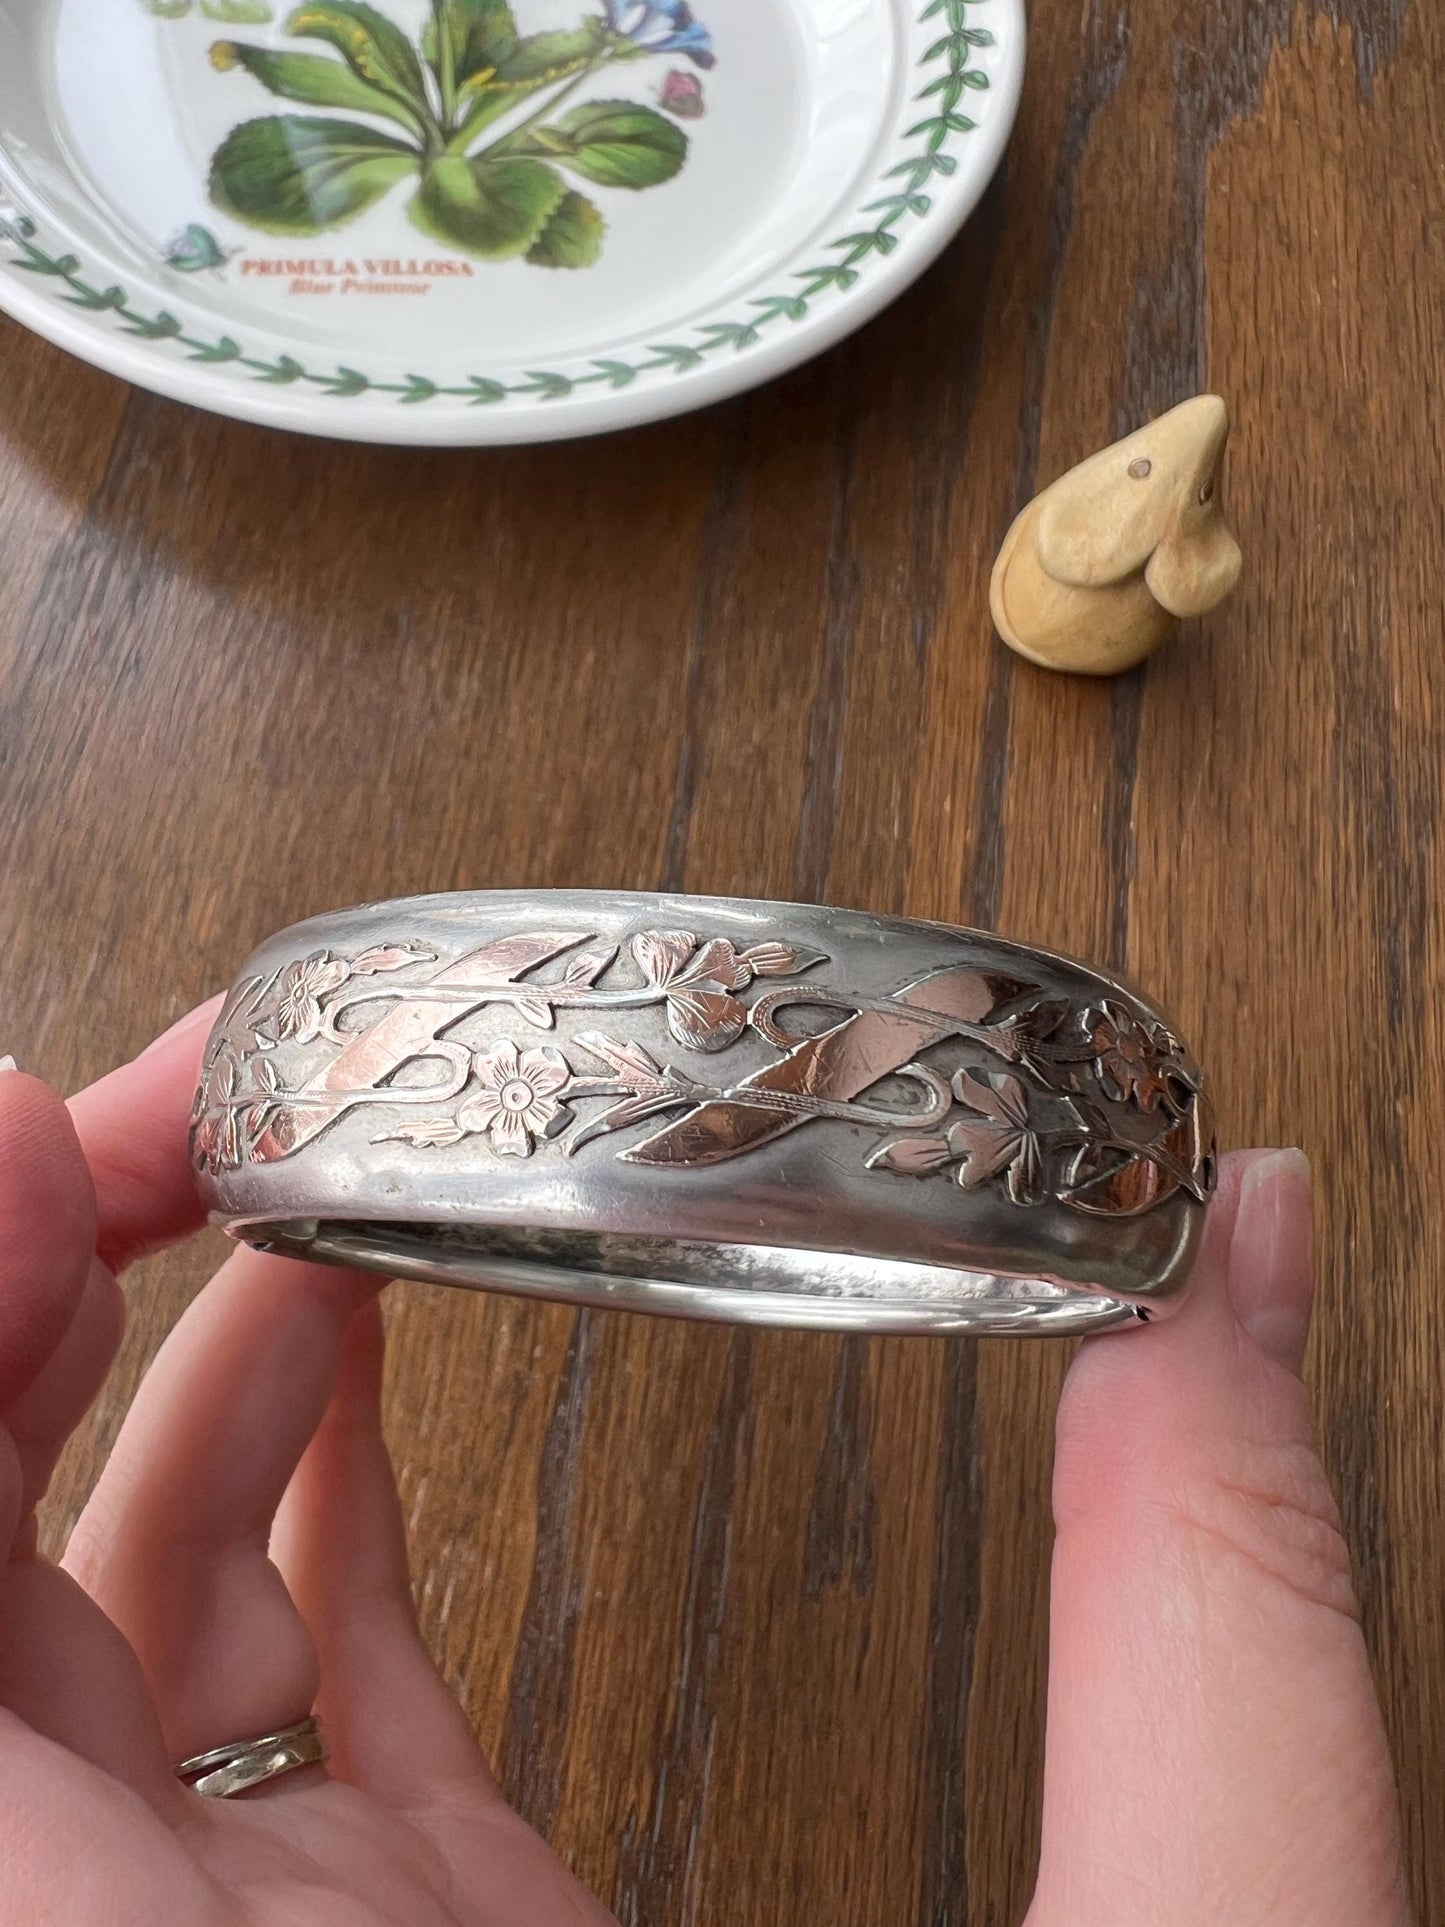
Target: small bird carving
(1097, 570)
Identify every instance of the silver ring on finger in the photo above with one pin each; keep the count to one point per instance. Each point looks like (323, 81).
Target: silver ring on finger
(225, 1771)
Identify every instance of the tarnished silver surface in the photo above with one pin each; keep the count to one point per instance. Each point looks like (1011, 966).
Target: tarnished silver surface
(225, 1771)
(759, 1112)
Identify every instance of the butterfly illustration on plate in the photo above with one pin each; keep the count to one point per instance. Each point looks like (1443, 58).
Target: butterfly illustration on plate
(681, 95)
(195, 249)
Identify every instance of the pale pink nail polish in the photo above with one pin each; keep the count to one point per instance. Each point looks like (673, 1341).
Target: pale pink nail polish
(8, 1064)
(1271, 1258)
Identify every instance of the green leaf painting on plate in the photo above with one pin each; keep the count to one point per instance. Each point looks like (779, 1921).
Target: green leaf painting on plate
(479, 36)
(477, 120)
(231, 13)
(297, 176)
(610, 142)
(493, 207)
(572, 237)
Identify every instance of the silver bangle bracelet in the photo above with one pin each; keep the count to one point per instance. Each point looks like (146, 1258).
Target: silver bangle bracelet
(755, 1112)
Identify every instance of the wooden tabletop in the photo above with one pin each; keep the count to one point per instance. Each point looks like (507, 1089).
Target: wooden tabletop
(754, 1623)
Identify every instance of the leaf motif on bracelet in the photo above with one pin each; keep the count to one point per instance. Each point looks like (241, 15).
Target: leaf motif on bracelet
(1086, 1161)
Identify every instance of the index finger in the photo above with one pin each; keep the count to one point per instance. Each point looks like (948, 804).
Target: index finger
(133, 1126)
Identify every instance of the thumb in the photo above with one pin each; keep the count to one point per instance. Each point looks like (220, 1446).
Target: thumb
(1215, 1749)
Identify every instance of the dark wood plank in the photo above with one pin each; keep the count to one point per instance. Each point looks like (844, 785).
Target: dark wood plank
(754, 1625)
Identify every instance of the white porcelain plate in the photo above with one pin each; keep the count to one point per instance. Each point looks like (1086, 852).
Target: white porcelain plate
(461, 221)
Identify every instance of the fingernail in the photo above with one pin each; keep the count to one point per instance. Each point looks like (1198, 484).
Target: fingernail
(1271, 1255)
(193, 1020)
(8, 1064)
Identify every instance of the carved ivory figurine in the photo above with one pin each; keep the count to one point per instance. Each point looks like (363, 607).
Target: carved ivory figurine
(1094, 574)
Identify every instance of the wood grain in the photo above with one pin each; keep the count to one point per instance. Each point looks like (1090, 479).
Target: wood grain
(754, 1624)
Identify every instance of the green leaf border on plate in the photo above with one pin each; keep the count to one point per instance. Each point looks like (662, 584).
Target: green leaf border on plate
(902, 201)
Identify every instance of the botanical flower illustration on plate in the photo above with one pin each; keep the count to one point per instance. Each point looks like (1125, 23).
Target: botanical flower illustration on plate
(488, 125)
(926, 156)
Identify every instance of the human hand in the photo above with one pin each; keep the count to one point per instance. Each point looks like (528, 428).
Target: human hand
(1216, 1756)
(1215, 1751)
(256, 1438)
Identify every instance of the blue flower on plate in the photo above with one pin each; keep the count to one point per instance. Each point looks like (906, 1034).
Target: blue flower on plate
(661, 27)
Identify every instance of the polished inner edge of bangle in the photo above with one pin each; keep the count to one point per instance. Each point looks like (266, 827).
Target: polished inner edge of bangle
(729, 1283)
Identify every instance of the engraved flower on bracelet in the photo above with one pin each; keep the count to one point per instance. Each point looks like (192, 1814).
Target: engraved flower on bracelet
(518, 1096)
(1138, 1062)
(297, 1017)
